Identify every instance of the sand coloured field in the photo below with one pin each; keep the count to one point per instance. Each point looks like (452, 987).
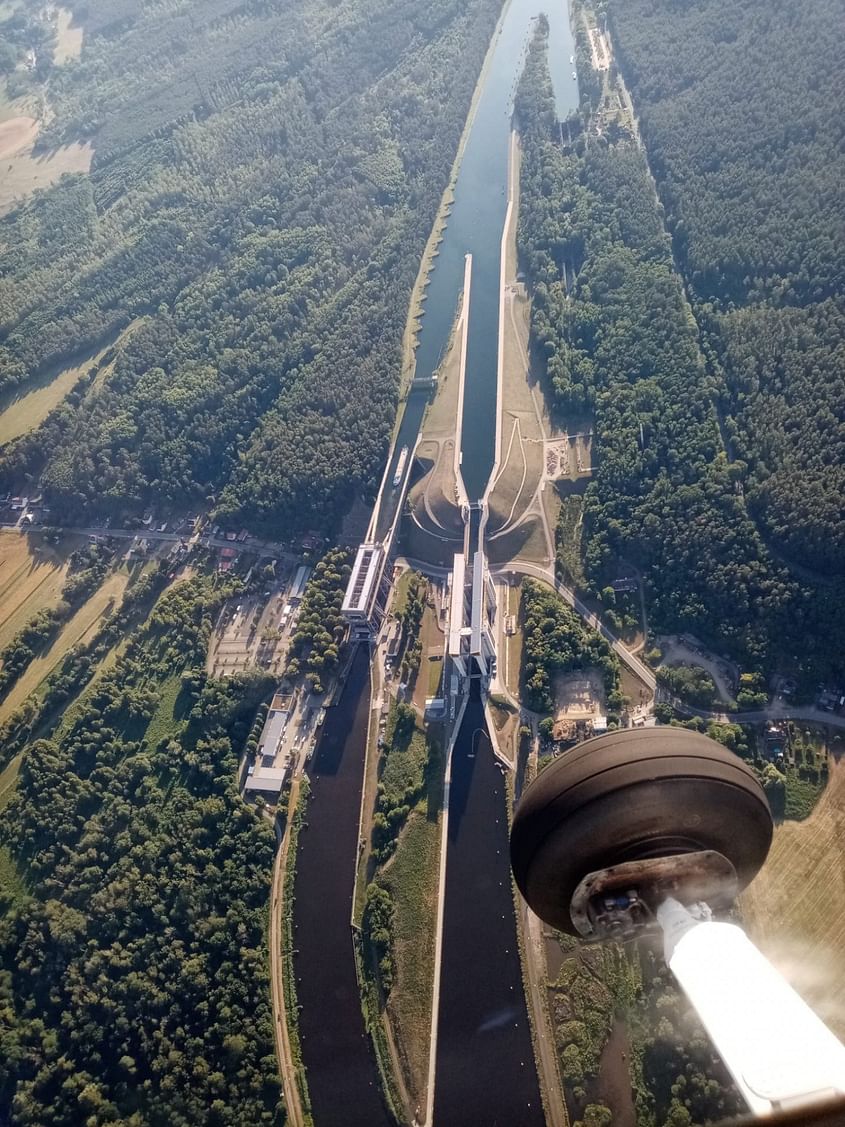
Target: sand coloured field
(22, 172)
(15, 134)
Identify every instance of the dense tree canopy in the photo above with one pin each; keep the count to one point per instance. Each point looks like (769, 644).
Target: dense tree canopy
(740, 109)
(133, 978)
(555, 640)
(265, 178)
(620, 343)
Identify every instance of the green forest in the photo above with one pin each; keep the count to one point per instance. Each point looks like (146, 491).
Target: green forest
(740, 110)
(133, 976)
(264, 181)
(555, 641)
(621, 344)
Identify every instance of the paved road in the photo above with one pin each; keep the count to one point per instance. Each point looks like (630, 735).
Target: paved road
(251, 544)
(808, 713)
(546, 575)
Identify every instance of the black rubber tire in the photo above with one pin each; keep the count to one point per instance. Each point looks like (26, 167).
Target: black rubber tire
(629, 795)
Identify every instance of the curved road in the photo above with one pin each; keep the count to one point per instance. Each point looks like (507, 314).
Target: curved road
(546, 575)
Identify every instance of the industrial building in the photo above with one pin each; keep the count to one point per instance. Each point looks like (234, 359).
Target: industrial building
(267, 776)
(472, 614)
(366, 593)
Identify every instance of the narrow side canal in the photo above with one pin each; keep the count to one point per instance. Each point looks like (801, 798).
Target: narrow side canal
(336, 1050)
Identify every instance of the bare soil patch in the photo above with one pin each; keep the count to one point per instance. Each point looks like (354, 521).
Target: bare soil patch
(68, 36)
(16, 134)
(24, 172)
(578, 696)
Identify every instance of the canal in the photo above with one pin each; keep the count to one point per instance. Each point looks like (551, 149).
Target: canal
(336, 1050)
(485, 1069)
(485, 1060)
(475, 227)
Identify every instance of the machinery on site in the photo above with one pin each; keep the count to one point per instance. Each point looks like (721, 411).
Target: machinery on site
(658, 830)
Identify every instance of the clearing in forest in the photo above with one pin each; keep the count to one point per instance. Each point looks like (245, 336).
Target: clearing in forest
(32, 574)
(68, 37)
(77, 630)
(795, 909)
(23, 172)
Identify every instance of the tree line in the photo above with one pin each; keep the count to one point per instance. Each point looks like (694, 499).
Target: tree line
(134, 974)
(619, 344)
(260, 236)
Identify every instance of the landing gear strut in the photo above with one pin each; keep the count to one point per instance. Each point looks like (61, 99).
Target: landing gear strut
(652, 831)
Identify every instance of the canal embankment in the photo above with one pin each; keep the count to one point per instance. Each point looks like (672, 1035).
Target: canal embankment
(485, 1070)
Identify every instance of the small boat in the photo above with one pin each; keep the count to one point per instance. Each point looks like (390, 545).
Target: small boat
(575, 74)
(572, 58)
(400, 466)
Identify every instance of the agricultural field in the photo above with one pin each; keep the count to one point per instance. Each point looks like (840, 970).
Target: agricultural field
(23, 411)
(32, 574)
(78, 629)
(795, 909)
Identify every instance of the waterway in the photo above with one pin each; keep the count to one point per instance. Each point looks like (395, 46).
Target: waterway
(485, 1065)
(336, 1049)
(475, 227)
(485, 1060)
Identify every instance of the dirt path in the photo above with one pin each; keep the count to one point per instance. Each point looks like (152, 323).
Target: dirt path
(284, 1058)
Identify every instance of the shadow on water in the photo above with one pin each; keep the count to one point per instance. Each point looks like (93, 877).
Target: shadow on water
(485, 1061)
(336, 1050)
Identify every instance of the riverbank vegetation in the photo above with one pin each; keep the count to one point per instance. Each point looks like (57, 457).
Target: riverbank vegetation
(555, 640)
(315, 646)
(621, 342)
(110, 946)
(676, 1078)
(288, 944)
(264, 183)
(402, 871)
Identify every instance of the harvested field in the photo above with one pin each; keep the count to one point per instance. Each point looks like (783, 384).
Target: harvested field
(795, 909)
(79, 629)
(15, 134)
(23, 172)
(32, 575)
(68, 37)
(24, 409)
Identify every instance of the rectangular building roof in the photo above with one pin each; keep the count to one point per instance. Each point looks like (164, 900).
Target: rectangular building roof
(363, 580)
(299, 581)
(456, 607)
(477, 602)
(271, 733)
